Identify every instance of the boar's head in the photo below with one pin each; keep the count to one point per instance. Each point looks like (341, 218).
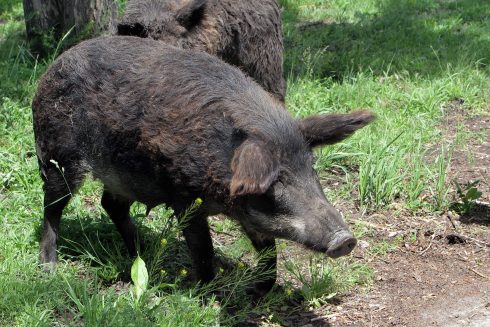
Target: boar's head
(165, 20)
(277, 192)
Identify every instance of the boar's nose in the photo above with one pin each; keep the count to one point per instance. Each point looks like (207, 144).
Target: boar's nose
(342, 244)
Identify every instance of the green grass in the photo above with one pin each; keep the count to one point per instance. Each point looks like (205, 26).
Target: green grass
(324, 280)
(405, 60)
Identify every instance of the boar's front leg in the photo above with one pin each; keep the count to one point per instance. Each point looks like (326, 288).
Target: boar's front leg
(266, 247)
(200, 245)
(117, 208)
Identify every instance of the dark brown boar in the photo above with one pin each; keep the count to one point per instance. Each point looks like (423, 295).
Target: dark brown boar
(158, 124)
(246, 34)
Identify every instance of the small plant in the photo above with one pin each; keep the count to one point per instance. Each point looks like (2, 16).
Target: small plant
(467, 195)
(380, 176)
(139, 276)
(160, 253)
(440, 189)
(416, 177)
(318, 280)
(383, 248)
(324, 279)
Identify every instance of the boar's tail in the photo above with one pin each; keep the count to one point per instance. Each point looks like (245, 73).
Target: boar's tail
(331, 128)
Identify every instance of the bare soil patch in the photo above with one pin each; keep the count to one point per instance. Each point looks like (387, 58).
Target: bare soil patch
(439, 275)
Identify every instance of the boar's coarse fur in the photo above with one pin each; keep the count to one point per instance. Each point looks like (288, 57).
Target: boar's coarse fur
(246, 34)
(157, 124)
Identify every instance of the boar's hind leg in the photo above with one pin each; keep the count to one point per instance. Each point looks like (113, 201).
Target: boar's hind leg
(117, 208)
(200, 245)
(266, 247)
(60, 182)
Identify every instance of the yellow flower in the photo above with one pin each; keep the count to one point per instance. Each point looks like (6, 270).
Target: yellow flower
(198, 201)
(183, 272)
(289, 291)
(221, 270)
(163, 242)
(163, 272)
(241, 265)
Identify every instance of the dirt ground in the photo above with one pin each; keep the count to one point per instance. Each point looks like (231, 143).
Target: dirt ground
(441, 279)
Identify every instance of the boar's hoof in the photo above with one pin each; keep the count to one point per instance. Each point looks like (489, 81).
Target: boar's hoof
(47, 258)
(48, 267)
(342, 244)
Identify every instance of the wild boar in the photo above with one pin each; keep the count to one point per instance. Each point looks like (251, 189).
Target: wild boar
(246, 34)
(158, 124)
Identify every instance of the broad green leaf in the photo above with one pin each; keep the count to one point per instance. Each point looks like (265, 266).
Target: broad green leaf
(473, 194)
(139, 276)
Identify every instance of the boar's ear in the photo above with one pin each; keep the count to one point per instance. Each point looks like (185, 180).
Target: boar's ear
(191, 13)
(253, 168)
(332, 128)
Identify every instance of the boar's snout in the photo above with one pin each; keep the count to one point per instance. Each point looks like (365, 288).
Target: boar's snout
(326, 231)
(342, 244)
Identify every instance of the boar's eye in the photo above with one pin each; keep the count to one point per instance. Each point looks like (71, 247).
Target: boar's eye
(272, 202)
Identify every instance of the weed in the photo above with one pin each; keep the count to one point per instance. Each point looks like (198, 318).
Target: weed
(318, 281)
(323, 280)
(439, 188)
(139, 276)
(379, 176)
(382, 248)
(467, 195)
(416, 178)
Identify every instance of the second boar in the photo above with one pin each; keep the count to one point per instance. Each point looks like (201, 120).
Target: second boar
(246, 34)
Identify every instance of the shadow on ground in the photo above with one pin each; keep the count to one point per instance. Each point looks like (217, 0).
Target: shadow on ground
(478, 214)
(414, 37)
(96, 242)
